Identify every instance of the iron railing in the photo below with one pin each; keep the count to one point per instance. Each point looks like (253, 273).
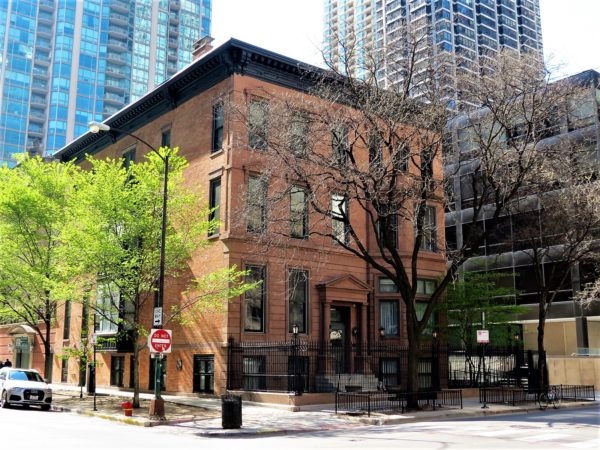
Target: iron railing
(515, 395)
(312, 366)
(390, 401)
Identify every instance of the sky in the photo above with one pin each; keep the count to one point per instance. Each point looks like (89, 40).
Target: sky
(294, 28)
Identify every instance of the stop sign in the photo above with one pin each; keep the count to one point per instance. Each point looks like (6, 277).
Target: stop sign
(159, 341)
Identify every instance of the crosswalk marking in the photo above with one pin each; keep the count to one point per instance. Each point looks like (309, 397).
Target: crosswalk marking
(594, 443)
(543, 437)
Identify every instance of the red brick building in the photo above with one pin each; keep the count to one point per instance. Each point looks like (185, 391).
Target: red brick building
(341, 297)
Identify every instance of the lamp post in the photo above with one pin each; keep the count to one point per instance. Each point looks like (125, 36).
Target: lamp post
(157, 405)
(435, 375)
(295, 362)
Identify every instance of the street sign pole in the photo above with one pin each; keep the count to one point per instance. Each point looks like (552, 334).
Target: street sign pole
(159, 342)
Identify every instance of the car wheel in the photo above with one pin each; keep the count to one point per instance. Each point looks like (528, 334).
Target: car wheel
(4, 400)
(45, 407)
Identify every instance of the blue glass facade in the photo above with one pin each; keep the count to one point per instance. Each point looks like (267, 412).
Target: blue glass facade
(68, 62)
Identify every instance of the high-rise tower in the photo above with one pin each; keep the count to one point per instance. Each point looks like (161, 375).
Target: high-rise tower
(472, 30)
(65, 63)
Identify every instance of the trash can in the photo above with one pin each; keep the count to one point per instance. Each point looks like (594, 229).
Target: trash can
(231, 411)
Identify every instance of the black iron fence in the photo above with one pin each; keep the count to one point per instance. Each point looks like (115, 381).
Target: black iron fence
(390, 401)
(515, 395)
(313, 366)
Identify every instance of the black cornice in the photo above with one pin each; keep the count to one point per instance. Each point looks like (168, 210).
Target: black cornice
(233, 57)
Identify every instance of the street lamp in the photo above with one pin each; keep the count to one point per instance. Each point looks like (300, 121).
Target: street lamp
(295, 362)
(157, 405)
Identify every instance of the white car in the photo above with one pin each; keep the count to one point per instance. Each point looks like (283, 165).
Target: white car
(24, 387)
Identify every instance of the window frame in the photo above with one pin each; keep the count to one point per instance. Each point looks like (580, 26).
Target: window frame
(107, 322)
(342, 207)
(260, 204)
(214, 203)
(396, 319)
(262, 297)
(303, 278)
(429, 230)
(258, 133)
(299, 218)
(218, 126)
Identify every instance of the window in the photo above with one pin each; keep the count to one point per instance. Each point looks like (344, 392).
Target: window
(64, 370)
(165, 138)
(128, 158)
(299, 133)
(254, 371)
(400, 158)
(389, 317)
(298, 213)
(375, 152)
(214, 201)
(428, 233)
(257, 210)
(389, 370)
(387, 228)
(386, 285)
(339, 215)
(420, 308)
(339, 144)
(117, 370)
(204, 373)
(298, 300)
(107, 307)
(254, 300)
(258, 118)
(67, 321)
(217, 127)
(426, 287)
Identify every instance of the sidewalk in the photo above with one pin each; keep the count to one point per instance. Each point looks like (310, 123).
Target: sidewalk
(203, 415)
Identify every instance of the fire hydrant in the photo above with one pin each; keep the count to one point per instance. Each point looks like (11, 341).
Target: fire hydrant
(127, 408)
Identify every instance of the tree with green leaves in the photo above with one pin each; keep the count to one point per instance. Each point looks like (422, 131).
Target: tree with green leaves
(113, 234)
(34, 280)
(473, 295)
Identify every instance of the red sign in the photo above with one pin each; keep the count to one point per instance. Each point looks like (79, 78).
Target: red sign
(159, 341)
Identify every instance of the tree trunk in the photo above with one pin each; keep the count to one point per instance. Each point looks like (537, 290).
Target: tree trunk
(413, 367)
(542, 379)
(47, 351)
(136, 371)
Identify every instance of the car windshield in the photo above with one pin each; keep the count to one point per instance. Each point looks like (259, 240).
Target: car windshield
(24, 376)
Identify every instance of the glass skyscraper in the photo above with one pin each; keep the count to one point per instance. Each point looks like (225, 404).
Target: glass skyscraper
(65, 63)
(473, 30)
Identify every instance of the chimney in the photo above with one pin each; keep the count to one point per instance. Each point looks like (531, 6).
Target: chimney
(201, 47)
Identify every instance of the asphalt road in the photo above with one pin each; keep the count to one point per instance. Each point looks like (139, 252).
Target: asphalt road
(559, 430)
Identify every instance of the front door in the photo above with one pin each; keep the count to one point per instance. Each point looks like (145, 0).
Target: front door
(22, 352)
(338, 336)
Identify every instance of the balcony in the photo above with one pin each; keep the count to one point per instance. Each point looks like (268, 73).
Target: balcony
(173, 31)
(173, 43)
(174, 5)
(38, 100)
(38, 86)
(36, 115)
(46, 5)
(117, 5)
(114, 85)
(40, 72)
(117, 58)
(118, 71)
(44, 30)
(173, 19)
(172, 55)
(114, 30)
(45, 18)
(118, 45)
(118, 18)
(114, 99)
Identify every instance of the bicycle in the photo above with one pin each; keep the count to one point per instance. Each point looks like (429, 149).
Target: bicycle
(549, 396)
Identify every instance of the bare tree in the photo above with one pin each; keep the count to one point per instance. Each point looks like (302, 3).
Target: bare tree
(356, 150)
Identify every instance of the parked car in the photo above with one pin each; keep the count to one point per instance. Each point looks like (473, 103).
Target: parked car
(24, 387)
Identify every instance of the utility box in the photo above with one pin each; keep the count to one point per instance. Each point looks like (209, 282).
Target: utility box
(231, 411)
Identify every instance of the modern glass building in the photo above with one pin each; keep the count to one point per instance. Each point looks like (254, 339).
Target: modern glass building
(471, 29)
(65, 63)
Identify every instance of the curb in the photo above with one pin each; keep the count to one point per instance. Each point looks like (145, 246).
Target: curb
(126, 420)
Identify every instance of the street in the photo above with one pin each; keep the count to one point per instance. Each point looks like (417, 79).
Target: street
(562, 429)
